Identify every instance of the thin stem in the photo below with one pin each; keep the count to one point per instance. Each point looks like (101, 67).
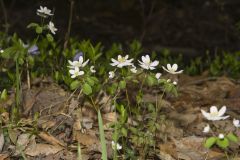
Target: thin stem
(69, 24)
(226, 155)
(28, 76)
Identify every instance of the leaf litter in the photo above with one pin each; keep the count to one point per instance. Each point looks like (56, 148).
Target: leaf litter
(64, 121)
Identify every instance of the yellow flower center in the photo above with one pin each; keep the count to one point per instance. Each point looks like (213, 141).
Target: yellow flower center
(214, 114)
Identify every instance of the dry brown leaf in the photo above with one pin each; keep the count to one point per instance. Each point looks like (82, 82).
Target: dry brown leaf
(73, 105)
(168, 149)
(4, 156)
(109, 117)
(50, 139)
(44, 149)
(22, 142)
(190, 148)
(86, 139)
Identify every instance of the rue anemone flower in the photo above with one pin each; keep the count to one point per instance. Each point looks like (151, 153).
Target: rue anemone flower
(215, 114)
(221, 136)
(80, 63)
(133, 69)
(44, 12)
(206, 129)
(236, 123)
(147, 64)
(51, 27)
(117, 145)
(158, 75)
(75, 72)
(111, 74)
(121, 61)
(172, 69)
(92, 69)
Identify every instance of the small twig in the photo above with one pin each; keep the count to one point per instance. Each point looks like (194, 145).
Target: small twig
(69, 24)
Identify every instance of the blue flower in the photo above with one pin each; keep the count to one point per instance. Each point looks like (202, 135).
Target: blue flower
(33, 50)
(78, 54)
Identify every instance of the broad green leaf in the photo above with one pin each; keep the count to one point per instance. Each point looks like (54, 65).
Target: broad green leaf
(75, 84)
(87, 89)
(32, 25)
(232, 137)
(50, 37)
(38, 30)
(151, 80)
(223, 143)
(102, 136)
(90, 81)
(210, 142)
(124, 132)
(122, 84)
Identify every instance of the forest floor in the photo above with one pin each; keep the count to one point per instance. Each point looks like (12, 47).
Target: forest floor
(64, 120)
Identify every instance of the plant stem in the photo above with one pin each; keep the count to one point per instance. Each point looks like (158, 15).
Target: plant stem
(69, 24)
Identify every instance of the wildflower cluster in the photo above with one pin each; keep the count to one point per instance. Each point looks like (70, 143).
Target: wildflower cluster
(223, 139)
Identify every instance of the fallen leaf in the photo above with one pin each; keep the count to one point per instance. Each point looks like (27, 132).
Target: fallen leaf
(50, 139)
(22, 142)
(4, 156)
(45, 149)
(86, 139)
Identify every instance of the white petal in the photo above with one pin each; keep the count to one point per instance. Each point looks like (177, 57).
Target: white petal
(206, 129)
(71, 71)
(80, 60)
(222, 111)
(169, 67)
(174, 67)
(165, 69)
(81, 73)
(213, 109)
(205, 114)
(85, 63)
(155, 63)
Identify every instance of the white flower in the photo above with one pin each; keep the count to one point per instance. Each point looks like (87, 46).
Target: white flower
(206, 129)
(146, 63)
(78, 63)
(44, 12)
(133, 69)
(75, 72)
(214, 114)
(1, 50)
(111, 74)
(174, 83)
(121, 61)
(51, 27)
(236, 123)
(172, 69)
(92, 69)
(158, 75)
(118, 146)
(221, 136)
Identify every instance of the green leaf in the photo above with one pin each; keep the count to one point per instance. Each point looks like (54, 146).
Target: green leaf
(232, 137)
(4, 95)
(75, 84)
(32, 25)
(210, 142)
(124, 132)
(38, 30)
(151, 80)
(90, 81)
(87, 89)
(223, 143)
(102, 136)
(50, 37)
(122, 84)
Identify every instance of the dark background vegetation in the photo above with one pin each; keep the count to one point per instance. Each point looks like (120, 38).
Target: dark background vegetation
(186, 26)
